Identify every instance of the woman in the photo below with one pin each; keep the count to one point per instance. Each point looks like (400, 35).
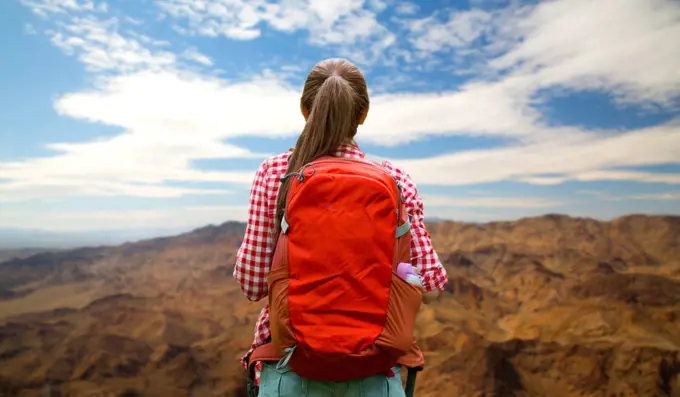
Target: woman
(334, 103)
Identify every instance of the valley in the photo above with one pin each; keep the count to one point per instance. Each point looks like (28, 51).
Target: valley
(545, 306)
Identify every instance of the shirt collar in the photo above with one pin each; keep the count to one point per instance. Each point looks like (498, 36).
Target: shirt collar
(352, 147)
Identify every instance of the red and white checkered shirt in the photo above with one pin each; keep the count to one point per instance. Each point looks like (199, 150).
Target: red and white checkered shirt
(254, 257)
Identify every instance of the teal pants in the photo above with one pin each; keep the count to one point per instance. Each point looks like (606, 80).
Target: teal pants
(286, 383)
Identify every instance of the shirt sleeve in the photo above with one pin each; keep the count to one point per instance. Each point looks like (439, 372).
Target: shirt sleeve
(253, 259)
(423, 255)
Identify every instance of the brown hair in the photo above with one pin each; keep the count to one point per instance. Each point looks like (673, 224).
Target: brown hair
(336, 97)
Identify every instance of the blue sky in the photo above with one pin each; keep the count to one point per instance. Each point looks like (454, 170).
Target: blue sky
(155, 113)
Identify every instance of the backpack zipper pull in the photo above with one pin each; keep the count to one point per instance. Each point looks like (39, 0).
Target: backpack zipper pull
(284, 361)
(300, 174)
(286, 176)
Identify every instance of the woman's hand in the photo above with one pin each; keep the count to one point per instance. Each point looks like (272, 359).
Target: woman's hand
(431, 296)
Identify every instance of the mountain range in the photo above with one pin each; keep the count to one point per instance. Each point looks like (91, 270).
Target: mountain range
(544, 306)
(15, 238)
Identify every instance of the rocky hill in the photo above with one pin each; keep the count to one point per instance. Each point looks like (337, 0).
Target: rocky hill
(547, 306)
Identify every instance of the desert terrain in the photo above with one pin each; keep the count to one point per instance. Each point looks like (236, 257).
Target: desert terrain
(546, 306)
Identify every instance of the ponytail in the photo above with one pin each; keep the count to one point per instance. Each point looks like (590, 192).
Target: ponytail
(333, 118)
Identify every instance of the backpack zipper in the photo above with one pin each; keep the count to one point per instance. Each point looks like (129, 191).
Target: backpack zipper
(301, 175)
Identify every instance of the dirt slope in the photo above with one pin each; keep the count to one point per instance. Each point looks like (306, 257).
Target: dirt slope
(548, 306)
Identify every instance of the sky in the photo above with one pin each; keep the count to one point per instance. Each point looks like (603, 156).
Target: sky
(128, 114)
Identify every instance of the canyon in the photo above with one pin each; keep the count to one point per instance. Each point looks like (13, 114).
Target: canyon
(544, 306)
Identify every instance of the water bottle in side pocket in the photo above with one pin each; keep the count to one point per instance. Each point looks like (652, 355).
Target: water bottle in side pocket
(407, 273)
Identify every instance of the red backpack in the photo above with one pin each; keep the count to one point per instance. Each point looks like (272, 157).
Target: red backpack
(338, 310)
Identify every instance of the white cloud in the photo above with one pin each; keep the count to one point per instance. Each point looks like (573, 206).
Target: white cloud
(377, 5)
(406, 8)
(172, 118)
(665, 196)
(169, 117)
(158, 141)
(188, 107)
(658, 196)
(350, 25)
(607, 196)
(606, 175)
(490, 202)
(627, 47)
(595, 158)
(49, 188)
(236, 20)
(401, 118)
(194, 55)
(635, 176)
(137, 163)
(460, 30)
(174, 218)
(46, 7)
(101, 47)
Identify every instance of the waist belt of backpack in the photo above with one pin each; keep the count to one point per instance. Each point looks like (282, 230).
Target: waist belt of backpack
(267, 353)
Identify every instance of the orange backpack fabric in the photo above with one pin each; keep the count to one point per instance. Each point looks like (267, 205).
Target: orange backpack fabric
(338, 310)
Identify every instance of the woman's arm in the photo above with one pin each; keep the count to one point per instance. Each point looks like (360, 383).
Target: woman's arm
(423, 255)
(253, 259)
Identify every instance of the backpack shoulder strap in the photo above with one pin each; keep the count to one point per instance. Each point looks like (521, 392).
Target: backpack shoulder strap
(405, 227)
